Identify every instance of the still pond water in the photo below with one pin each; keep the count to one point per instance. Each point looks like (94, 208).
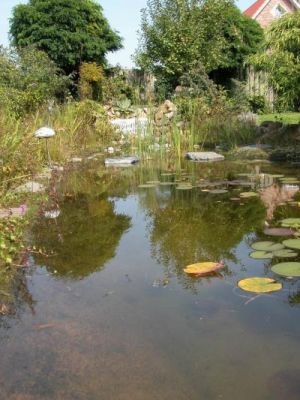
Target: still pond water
(110, 314)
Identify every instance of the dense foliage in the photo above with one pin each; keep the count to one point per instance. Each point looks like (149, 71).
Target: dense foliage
(28, 79)
(69, 31)
(281, 59)
(176, 35)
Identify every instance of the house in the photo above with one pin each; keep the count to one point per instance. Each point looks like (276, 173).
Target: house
(266, 11)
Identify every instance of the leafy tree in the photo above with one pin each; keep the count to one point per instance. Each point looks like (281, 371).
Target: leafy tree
(28, 79)
(281, 59)
(69, 31)
(244, 37)
(176, 35)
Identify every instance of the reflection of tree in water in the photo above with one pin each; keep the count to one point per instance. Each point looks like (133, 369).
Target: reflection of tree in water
(83, 238)
(14, 296)
(193, 227)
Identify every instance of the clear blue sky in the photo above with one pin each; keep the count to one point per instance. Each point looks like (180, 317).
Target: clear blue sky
(123, 15)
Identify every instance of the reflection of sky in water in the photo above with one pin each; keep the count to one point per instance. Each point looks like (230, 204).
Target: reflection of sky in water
(109, 332)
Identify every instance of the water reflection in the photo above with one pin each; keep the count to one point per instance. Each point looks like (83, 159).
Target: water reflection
(87, 231)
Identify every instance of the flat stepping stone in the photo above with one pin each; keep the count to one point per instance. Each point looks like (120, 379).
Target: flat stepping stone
(204, 156)
(119, 161)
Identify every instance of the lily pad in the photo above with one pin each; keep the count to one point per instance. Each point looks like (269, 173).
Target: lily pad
(267, 246)
(259, 285)
(153, 183)
(248, 195)
(261, 255)
(288, 269)
(203, 268)
(147, 185)
(292, 243)
(184, 187)
(167, 183)
(285, 253)
(278, 232)
(290, 222)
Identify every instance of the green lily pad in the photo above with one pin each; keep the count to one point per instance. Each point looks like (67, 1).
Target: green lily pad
(259, 285)
(248, 195)
(288, 269)
(153, 183)
(290, 222)
(218, 191)
(261, 255)
(285, 253)
(277, 176)
(292, 243)
(167, 174)
(184, 187)
(267, 246)
(146, 186)
(167, 183)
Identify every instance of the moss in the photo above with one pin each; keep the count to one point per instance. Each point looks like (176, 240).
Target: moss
(247, 153)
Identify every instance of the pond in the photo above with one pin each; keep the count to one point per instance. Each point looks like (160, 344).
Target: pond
(106, 311)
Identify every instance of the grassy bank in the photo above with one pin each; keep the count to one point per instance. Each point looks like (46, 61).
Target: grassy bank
(286, 118)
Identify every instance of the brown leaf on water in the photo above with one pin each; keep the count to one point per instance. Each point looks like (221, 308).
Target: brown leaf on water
(4, 310)
(275, 195)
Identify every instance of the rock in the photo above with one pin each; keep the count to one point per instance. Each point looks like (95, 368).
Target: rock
(165, 113)
(248, 153)
(204, 156)
(30, 187)
(121, 161)
(76, 159)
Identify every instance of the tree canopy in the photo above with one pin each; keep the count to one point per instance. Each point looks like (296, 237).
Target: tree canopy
(281, 59)
(177, 34)
(69, 31)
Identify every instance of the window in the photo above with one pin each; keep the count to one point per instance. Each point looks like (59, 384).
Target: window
(278, 11)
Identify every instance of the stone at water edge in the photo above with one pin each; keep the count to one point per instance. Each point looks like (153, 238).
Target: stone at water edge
(122, 161)
(30, 187)
(204, 156)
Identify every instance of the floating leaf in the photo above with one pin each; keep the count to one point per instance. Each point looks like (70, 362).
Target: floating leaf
(290, 222)
(259, 285)
(292, 243)
(278, 232)
(167, 174)
(167, 183)
(152, 183)
(267, 246)
(261, 255)
(288, 269)
(248, 195)
(285, 253)
(147, 185)
(203, 268)
(184, 187)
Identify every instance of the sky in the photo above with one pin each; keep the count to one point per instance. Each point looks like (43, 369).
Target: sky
(123, 16)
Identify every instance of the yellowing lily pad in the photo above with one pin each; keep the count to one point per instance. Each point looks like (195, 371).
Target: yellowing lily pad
(267, 246)
(259, 285)
(203, 268)
(288, 269)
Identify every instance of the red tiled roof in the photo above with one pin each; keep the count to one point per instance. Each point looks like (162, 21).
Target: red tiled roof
(254, 8)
